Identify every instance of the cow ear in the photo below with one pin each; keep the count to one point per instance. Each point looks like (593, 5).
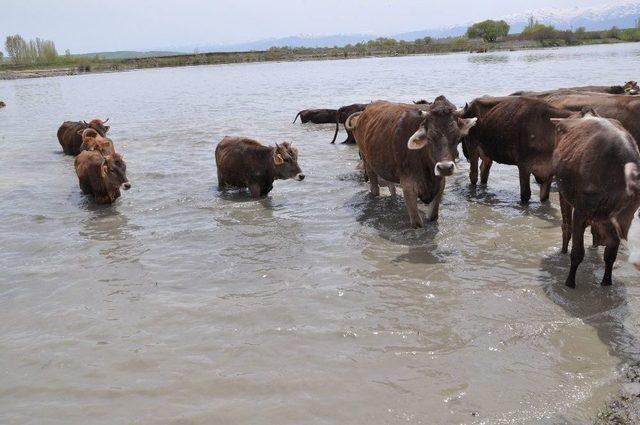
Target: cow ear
(418, 140)
(278, 160)
(104, 169)
(466, 124)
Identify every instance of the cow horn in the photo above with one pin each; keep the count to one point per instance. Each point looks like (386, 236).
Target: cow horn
(84, 122)
(105, 121)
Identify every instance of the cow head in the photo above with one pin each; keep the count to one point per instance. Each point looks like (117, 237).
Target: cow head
(99, 126)
(285, 161)
(114, 172)
(632, 88)
(440, 132)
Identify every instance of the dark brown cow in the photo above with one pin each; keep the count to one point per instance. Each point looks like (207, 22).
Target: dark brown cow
(101, 176)
(629, 88)
(317, 116)
(513, 131)
(341, 117)
(92, 141)
(625, 109)
(70, 134)
(243, 162)
(406, 144)
(598, 172)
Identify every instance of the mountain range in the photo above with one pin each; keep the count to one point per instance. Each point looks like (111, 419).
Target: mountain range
(623, 14)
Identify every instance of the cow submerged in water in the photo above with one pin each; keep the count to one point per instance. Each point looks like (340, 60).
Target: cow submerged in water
(413, 145)
(93, 141)
(101, 176)
(597, 166)
(70, 134)
(243, 162)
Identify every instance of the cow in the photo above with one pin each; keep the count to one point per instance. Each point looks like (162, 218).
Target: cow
(634, 241)
(629, 88)
(410, 145)
(243, 162)
(597, 166)
(514, 131)
(2, 104)
(317, 116)
(93, 141)
(625, 109)
(101, 176)
(70, 134)
(341, 117)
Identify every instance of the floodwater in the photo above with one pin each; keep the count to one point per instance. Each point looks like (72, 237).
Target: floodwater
(317, 305)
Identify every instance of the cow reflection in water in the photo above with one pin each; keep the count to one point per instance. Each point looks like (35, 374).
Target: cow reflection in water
(112, 233)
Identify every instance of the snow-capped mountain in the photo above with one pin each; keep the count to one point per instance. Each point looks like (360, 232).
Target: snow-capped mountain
(622, 14)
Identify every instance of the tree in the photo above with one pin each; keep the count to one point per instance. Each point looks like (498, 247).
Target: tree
(540, 32)
(22, 52)
(488, 30)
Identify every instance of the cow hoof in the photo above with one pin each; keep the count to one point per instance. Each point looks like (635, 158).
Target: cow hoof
(564, 251)
(606, 282)
(571, 284)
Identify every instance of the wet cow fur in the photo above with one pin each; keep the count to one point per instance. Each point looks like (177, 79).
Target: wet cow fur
(70, 134)
(243, 162)
(597, 166)
(514, 131)
(405, 144)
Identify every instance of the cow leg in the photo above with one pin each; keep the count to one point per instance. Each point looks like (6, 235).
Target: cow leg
(374, 186)
(255, 190)
(595, 237)
(525, 185)
(473, 157)
(485, 168)
(411, 201)
(392, 189)
(545, 189)
(577, 250)
(566, 209)
(610, 254)
(433, 207)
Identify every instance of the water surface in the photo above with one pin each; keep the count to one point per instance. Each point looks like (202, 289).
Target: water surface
(318, 304)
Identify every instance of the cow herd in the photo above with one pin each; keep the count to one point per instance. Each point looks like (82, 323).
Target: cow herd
(583, 137)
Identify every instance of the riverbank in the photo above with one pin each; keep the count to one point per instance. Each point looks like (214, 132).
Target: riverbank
(80, 66)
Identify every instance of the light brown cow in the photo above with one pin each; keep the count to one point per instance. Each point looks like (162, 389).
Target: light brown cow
(413, 145)
(93, 141)
(101, 176)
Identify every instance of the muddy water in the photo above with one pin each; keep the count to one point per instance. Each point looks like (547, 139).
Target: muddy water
(315, 305)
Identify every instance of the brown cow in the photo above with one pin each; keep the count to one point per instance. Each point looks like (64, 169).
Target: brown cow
(317, 116)
(598, 172)
(92, 141)
(406, 144)
(243, 162)
(513, 131)
(629, 88)
(625, 109)
(341, 117)
(70, 134)
(101, 176)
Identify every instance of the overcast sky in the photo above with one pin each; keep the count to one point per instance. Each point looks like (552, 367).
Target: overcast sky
(89, 25)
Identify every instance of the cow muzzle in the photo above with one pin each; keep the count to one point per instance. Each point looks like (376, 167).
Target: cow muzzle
(445, 168)
(126, 185)
(299, 177)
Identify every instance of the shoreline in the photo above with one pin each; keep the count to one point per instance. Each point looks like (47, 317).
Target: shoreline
(278, 55)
